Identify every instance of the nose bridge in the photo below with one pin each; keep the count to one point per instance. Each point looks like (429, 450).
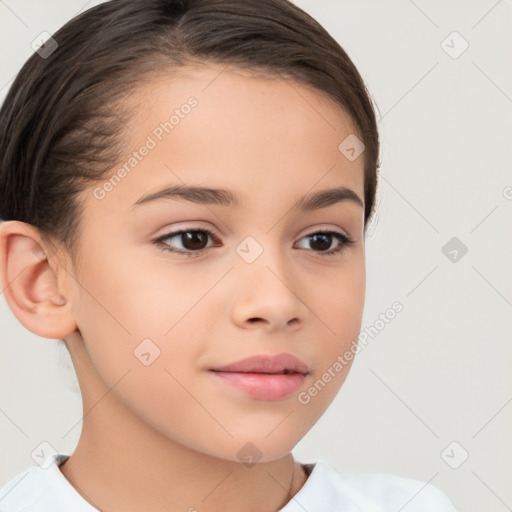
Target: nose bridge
(263, 257)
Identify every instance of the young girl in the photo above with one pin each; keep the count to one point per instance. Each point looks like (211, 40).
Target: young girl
(185, 191)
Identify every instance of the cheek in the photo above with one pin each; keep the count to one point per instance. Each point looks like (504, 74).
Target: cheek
(337, 308)
(143, 340)
(337, 302)
(133, 311)
(136, 297)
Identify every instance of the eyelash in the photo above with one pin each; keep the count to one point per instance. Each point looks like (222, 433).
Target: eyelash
(345, 240)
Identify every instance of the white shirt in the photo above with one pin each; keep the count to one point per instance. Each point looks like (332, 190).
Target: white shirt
(47, 490)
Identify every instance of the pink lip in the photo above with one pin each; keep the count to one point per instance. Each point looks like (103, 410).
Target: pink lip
(265, 377)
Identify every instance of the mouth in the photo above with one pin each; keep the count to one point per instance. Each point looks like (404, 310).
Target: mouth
(270, 364)
(264, 377)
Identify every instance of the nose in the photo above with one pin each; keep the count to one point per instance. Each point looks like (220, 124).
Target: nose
(265, 294)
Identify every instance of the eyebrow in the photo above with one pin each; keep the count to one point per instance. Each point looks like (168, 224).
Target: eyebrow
(223, 197)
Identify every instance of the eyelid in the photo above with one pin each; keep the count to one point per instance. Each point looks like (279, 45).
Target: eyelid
(325, 228)
(171, 234)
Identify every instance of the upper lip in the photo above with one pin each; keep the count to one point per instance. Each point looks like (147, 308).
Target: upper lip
(280, 363)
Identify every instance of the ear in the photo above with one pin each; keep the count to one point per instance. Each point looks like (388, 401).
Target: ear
(29, 281)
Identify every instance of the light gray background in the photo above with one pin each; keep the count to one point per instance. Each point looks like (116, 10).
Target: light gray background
(440, 371)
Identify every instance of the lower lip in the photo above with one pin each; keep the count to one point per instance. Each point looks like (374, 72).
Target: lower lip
(263, 386)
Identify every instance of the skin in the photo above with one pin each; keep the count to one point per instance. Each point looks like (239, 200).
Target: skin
(271, 142)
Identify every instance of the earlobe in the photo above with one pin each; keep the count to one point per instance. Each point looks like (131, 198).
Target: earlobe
(30, 283)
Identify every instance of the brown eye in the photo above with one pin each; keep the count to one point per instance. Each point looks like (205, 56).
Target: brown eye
(190, 241)
(194, 240)
(321, 242)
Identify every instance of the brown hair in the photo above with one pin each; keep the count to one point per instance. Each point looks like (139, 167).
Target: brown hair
(59, 129)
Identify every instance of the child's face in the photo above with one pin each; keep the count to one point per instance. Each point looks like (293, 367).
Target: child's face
(270, 143)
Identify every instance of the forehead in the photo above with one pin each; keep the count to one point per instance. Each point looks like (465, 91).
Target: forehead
(260, 135)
